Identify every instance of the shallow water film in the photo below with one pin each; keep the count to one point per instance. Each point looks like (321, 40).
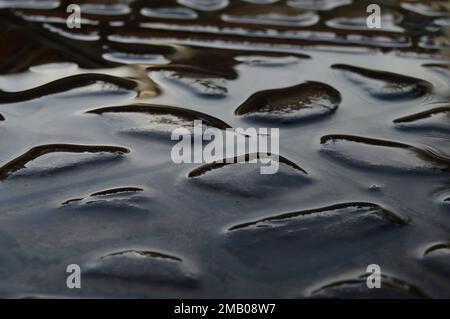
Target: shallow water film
(87, 177)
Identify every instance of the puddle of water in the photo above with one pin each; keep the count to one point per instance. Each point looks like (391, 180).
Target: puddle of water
(86, 175)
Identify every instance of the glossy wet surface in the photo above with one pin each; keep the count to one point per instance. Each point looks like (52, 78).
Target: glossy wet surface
(86, 175)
